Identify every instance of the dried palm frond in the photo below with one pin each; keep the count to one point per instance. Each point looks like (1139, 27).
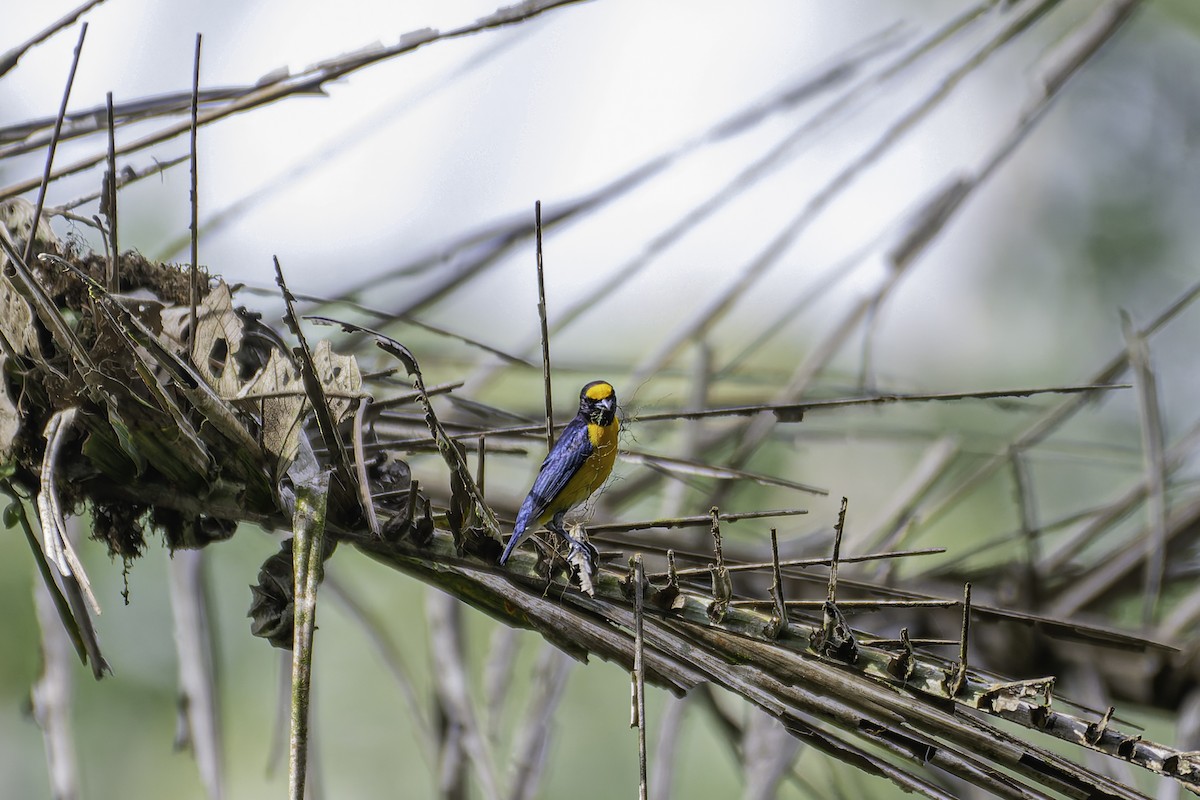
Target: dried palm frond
(126, 394)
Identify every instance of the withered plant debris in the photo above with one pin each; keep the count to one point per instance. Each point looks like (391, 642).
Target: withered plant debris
(191, 433)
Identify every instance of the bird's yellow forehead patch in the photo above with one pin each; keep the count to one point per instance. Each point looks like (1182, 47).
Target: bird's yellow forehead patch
(599, 391)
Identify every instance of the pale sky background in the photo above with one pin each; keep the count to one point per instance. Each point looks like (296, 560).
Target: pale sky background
(567, 102)
(560, 106)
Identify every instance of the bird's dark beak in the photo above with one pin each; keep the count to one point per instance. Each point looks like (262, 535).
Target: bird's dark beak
(604, 411)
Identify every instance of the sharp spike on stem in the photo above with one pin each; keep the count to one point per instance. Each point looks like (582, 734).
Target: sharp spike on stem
(1095, 731)
(414, 490)
(904, 662)
(831, 596)
(722, 586)
(715, 515)
(780, 621)
(956, 675)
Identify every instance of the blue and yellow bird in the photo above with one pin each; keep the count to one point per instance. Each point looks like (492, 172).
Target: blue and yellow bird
(579, 463)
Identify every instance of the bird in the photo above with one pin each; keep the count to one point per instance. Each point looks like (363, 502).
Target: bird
(578, 464)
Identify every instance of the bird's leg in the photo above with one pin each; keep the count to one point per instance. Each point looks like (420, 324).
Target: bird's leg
(579, 550)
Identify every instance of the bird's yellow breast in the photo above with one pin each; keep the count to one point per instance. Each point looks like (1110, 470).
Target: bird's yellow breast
(592, 474)
(604, 439)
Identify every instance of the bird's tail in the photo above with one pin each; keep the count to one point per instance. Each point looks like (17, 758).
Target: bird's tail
(520, 534)
(523, 529)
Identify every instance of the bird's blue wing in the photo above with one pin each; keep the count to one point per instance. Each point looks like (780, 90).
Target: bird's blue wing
(569, 453)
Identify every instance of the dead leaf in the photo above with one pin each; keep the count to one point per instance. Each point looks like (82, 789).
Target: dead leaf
(217, 342)
(341, 379)
(280, 404)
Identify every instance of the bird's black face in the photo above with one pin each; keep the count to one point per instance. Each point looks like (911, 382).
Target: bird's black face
(598, 402)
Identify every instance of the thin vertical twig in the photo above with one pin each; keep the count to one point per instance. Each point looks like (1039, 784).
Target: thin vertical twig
(541, 281)
(639, 670)
(194, 286)
(58, 123)
(965, 633)
(110, 201)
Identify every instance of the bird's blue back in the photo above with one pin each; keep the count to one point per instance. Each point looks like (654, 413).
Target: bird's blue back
(569, 453)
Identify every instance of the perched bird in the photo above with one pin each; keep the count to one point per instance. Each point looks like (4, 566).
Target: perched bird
(578, 464)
